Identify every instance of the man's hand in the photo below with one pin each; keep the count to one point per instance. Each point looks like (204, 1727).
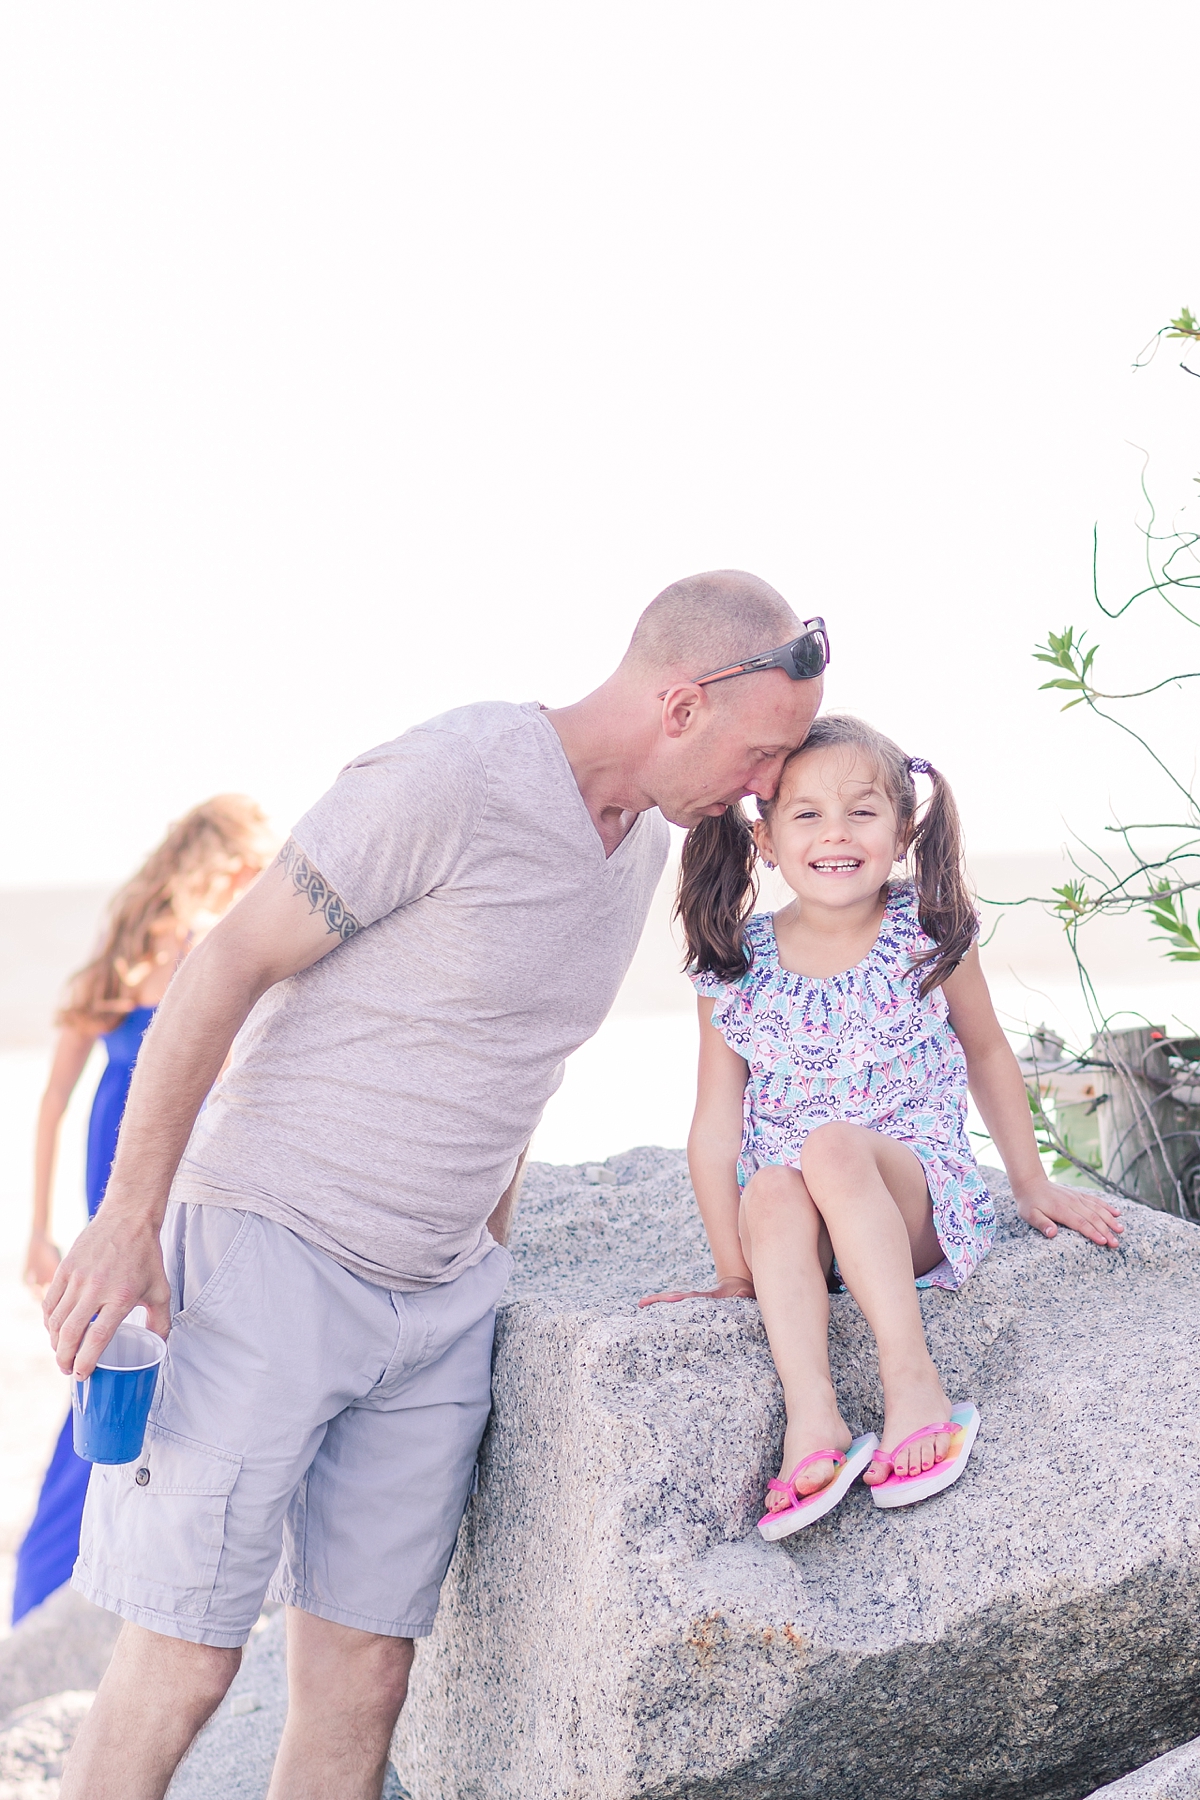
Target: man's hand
(113, 1266)
(734, 1287)
(1045, 1205)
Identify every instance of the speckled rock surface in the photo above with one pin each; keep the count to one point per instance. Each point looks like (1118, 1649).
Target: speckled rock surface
(613, 1626)
(65, 1643)
(34, 1745)
(1175, 1776)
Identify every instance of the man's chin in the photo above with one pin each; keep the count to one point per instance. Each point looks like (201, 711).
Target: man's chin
(692, 815)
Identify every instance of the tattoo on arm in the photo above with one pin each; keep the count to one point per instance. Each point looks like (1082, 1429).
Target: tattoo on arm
(316, 890)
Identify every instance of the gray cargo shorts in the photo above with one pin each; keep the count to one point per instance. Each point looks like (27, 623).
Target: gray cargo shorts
(309, 1427)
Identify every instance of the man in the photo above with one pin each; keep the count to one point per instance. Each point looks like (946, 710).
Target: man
(324, 1241)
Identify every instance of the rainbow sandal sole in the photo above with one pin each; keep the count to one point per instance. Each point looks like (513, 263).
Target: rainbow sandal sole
(906, 1490)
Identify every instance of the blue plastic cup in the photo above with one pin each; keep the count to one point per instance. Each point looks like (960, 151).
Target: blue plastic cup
(110, 1408)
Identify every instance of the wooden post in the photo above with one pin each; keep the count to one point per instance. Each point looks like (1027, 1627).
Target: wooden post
(1149, 1129)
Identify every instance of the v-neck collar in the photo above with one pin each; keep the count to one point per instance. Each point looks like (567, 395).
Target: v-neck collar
(607, 858)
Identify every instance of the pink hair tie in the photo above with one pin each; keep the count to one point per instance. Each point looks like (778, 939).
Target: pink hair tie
(918, 766)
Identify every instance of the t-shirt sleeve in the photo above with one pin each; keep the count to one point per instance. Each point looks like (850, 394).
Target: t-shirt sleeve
(396, 821)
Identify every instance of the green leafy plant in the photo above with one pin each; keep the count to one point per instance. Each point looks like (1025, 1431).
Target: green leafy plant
(1155, 864)
(1167, 913)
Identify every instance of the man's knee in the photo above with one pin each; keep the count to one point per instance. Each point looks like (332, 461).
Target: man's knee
(340, 1666)
(199, 1675)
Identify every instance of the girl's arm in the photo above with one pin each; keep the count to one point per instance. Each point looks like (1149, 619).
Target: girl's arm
(70, 1054)
(714, 1143)
(998, 1089)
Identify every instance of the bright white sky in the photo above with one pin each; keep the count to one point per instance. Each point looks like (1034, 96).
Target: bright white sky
(362, 360)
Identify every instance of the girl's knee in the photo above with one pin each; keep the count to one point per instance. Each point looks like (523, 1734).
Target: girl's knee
(836, 1146)
(771, 1187)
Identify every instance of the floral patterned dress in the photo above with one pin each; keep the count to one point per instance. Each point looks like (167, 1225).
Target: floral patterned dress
(861, 1047)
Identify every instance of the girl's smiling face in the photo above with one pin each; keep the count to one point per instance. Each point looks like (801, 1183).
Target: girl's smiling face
(831, 828)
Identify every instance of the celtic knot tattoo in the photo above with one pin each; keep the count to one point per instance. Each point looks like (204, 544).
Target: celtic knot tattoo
(316, 890)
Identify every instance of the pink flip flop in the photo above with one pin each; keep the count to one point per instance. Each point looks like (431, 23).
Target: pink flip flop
(807, 1508)
(906, 1490)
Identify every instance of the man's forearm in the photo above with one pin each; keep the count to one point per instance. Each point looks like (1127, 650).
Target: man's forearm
(180, 1059)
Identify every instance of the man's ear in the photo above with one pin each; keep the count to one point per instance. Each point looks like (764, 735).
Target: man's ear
(681, 707)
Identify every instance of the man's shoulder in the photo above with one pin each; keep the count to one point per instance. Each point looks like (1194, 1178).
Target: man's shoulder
(468, 731)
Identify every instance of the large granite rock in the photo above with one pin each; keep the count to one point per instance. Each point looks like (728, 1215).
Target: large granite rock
(613, 1626)
(34, 1745)
(63, 1644)
(1175, 1776)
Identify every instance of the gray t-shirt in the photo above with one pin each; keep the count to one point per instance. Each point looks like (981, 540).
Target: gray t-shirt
(376, 1103)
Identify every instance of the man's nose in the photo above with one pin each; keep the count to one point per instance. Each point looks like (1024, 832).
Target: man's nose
(764, 783)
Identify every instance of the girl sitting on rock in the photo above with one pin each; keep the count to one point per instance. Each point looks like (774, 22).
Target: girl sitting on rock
(829, 1143)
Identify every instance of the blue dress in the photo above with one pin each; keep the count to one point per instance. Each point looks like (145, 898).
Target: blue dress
(47, 1554)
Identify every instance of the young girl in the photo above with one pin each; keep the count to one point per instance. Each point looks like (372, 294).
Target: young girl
(830, 1126)
(200, 868)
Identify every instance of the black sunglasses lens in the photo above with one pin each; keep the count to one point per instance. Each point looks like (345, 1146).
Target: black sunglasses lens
(808, 657)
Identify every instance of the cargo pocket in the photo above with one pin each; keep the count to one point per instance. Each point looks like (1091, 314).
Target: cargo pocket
(153, 1530)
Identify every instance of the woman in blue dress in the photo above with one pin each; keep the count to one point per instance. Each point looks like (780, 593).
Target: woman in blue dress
(199, 869)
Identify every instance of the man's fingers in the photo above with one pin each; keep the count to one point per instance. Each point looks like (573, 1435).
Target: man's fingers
(55, 1289)
(158, 1317)
(97, 1336)
(68, 1333)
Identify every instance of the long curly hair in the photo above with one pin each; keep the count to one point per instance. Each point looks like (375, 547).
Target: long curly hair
(718, 879)
(192, 871)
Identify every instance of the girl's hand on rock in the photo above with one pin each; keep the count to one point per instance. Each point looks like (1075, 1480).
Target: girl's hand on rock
(41, 1260)
(1045, 1205)
(734, 1287)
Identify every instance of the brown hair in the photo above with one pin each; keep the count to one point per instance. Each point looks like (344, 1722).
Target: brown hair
(219, 839)
(718, 885)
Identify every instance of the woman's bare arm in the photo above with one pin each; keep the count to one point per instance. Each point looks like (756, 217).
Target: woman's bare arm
(714, 1143)
(998, 1089)
(70, 1054)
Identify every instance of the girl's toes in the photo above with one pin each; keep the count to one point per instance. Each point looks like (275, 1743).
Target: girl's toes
(878, 1471)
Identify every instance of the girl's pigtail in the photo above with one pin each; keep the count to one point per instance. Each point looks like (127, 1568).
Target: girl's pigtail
(944, 906)
(717, 890)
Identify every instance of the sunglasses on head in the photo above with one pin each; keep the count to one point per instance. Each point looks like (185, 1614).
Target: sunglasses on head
(804, 658)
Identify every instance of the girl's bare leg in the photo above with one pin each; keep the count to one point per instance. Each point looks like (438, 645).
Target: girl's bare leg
(872, 1195)
(788, 1250)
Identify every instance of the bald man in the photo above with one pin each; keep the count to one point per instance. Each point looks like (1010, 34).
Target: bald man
(324, 1241)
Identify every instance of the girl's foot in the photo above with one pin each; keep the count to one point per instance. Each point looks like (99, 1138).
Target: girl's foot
(910, 1407)
(802, 1437)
